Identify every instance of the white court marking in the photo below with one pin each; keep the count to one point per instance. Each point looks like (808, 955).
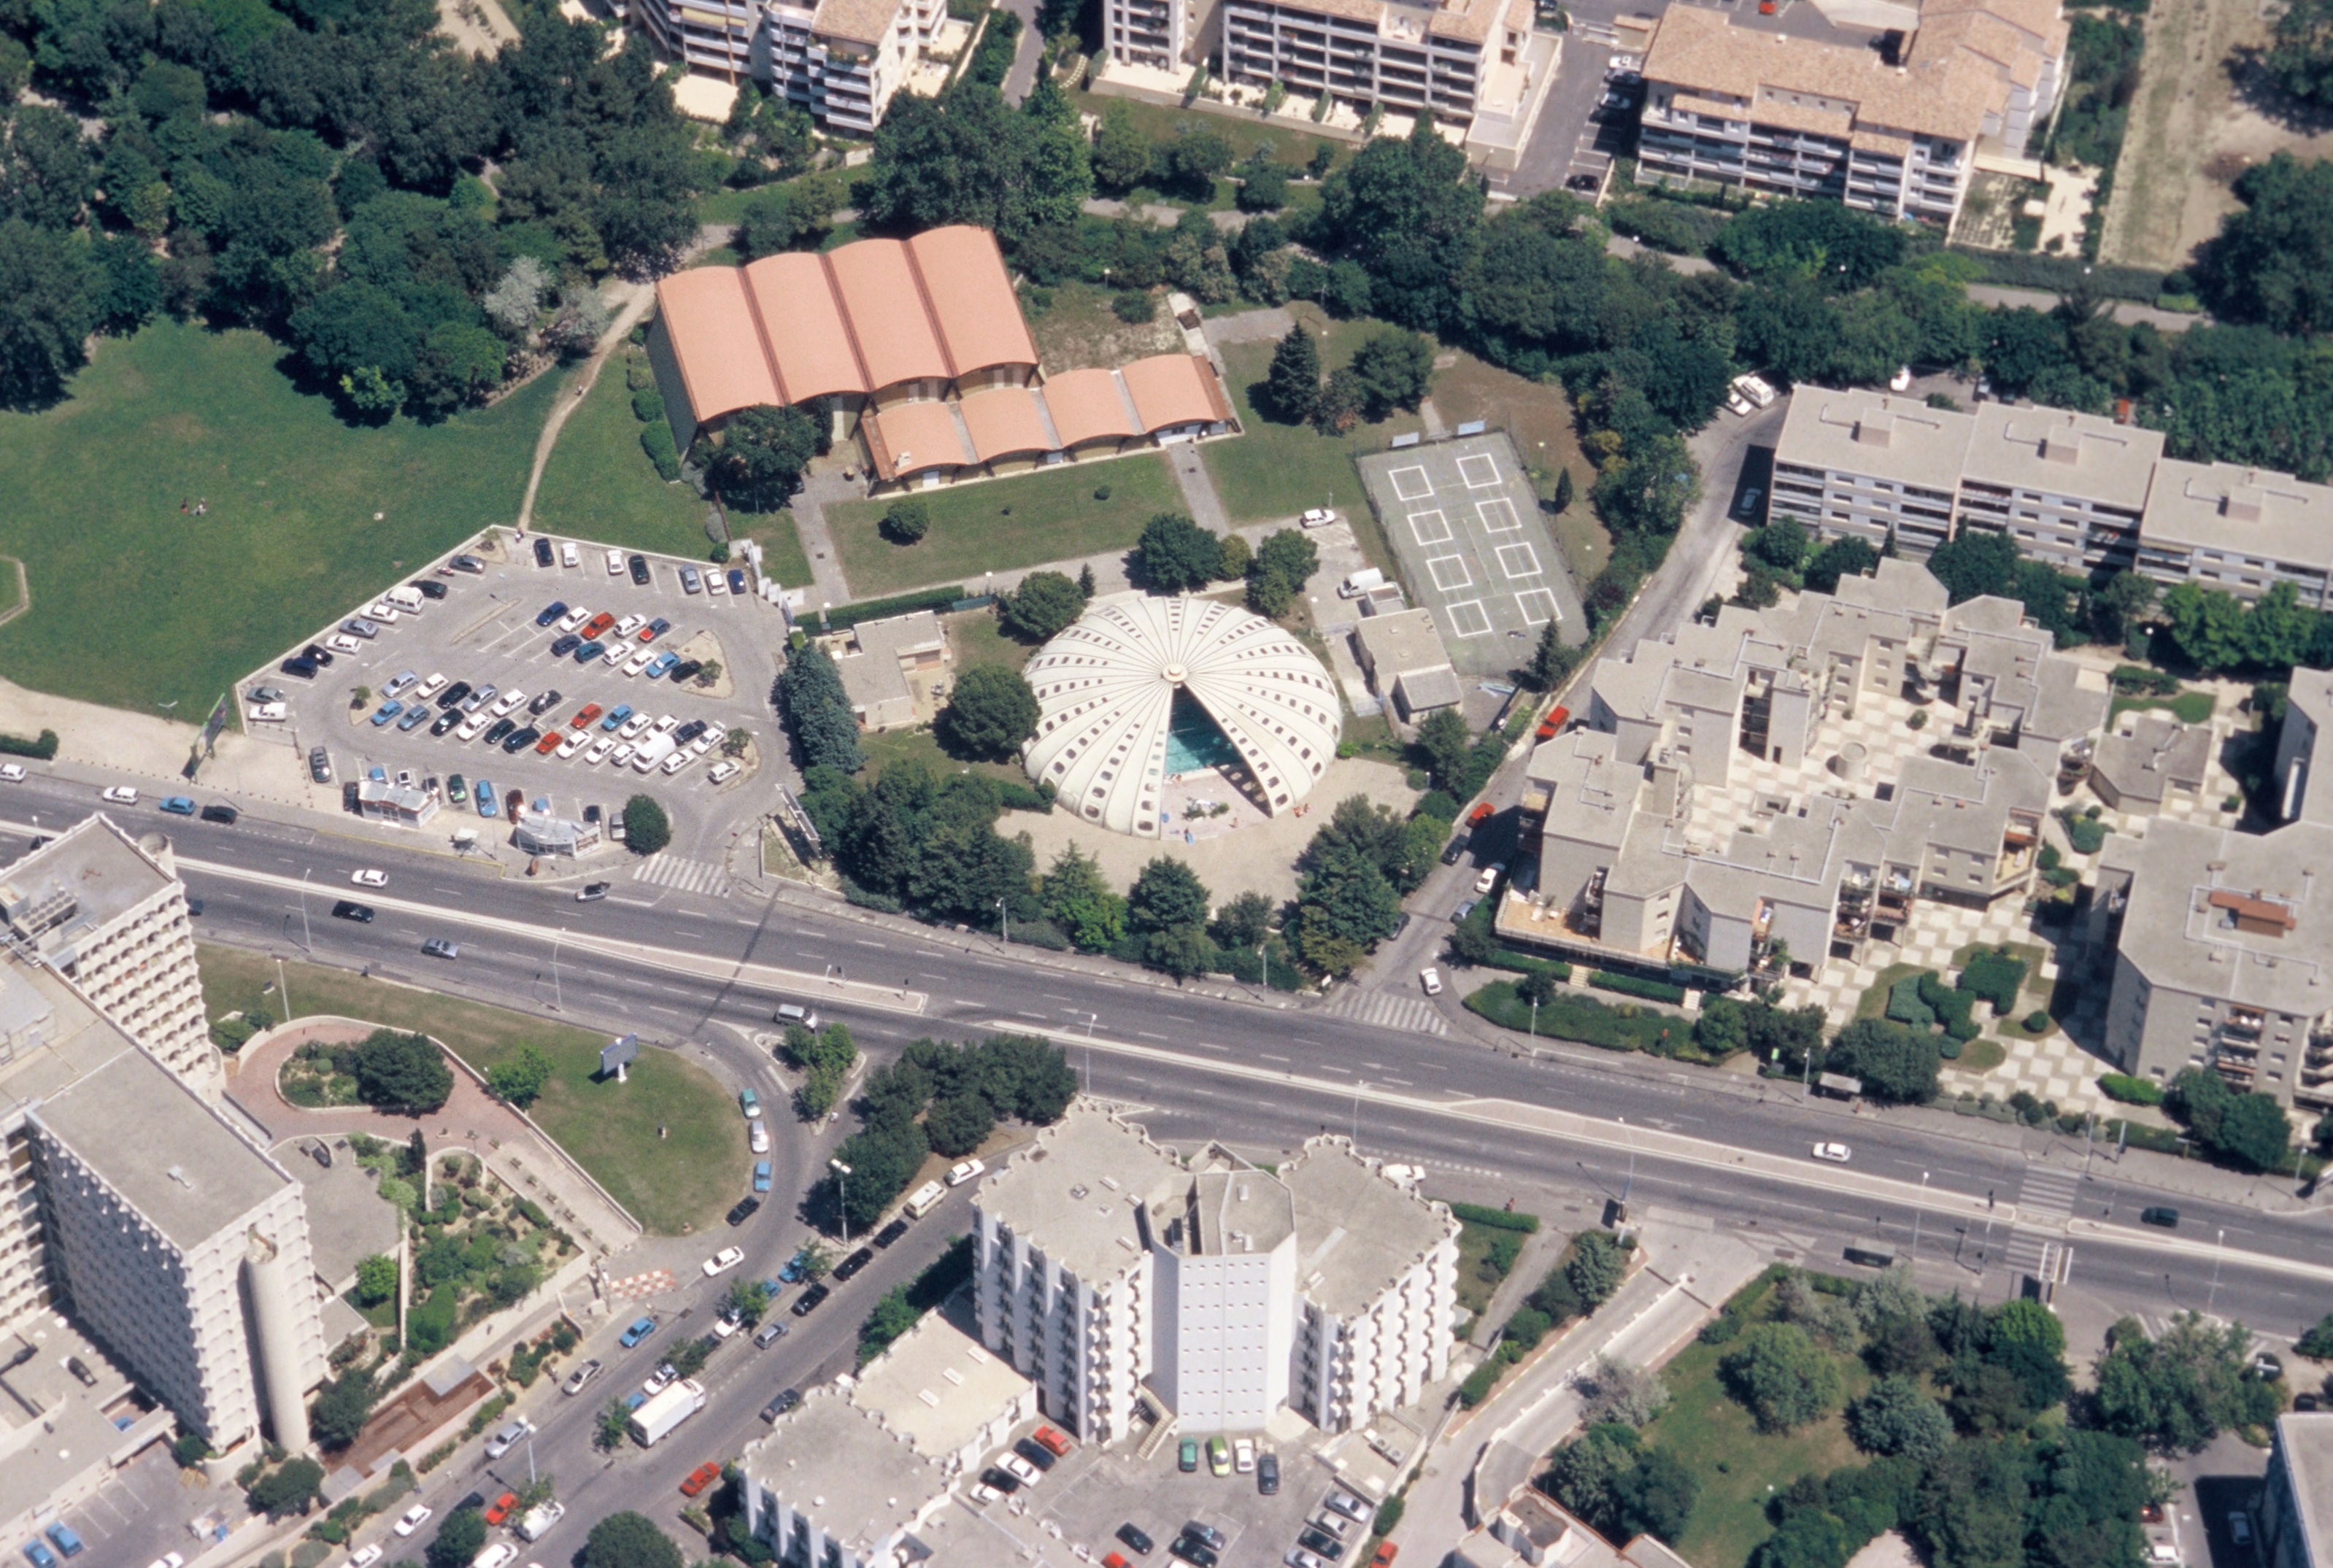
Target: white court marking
(1468, 619)
(1480, 470)
(1498, 515)
(1518, 561)
(1539, 607)
(1401, 479)
(1449, 572)
(1430, 527)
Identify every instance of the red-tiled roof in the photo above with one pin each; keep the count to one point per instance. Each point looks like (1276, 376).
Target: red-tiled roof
(812, 348)
(1003, 422)
(910, 437)
(1172, 390)
(1087, 405)
(708, 306)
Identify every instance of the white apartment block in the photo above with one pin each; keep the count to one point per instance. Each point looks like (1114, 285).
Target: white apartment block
(715, 36)
(1408, 58)
(842, 60)
(2221, 525)
(1107, 1270)
(1792, 117)
(109, 911)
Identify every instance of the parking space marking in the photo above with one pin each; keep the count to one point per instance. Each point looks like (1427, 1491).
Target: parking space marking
(1480, 470)
(1401, 479)
(1518, 561)
(1468, 618)
(1449, 572)
(1430, 527)
(1539, 607)
(1498, 515)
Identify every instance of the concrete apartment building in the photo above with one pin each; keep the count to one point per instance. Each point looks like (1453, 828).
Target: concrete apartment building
(2245, 530)
(2296, 1511)
(840, 60)
(109, 912)
(1108, 1271)
(1402, 653)
(1406, 58)
(1898, 136)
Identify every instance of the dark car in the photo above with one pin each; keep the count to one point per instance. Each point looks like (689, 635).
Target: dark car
(552, 611)
(1457, 849)
(1197, 1554)
(446, 721)
(851, 1264)
(475, 1500)
(2166, 1217)
(1320, 1544)
(319, 766)
(318, 656)
(304, 668)
(689, 732)
(781, 1405)
(808, 1301)
(737, 580)
(592, 891)
(349, 796)
(1206, 1535)
(349, 909)
(544, 703)
(1141, 1544)
(683, 669)
(429, 588)
(519, 740)
(640, 564)
(500, 728)
(1003, 1481)
(451, 697)
(565, 645)
(543, 556)
(590, 651)
(1267, 1475)
(890, 1233)
(745, 1210)
(1586, 182)
(1036, 1453)
(219, 813)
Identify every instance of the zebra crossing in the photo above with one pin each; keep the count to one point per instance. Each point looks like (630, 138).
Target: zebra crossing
(1410, 1015)
(677, 870)
(2045, 1198)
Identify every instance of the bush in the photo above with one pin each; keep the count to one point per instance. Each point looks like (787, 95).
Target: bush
(1496, 1218)
(2088, 835)
(44, 748)
(2037, 1022)
(1629, 985)
(1904, 1003)
(1995, 976)
(656, 440)
(906, 521)
(1134, 306)
(1582, 1018)
(648, 405)
(646, 829)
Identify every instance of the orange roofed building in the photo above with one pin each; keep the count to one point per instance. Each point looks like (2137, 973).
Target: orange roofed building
(920, 346)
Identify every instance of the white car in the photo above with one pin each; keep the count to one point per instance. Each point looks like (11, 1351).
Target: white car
(635, 727)
(380, 610)
(370, 879)
(363, 1557)
(431, 687)
(120, 795)
(341, 643)
(621, 755)
(758, 1136)
(1244, 1456)
(721, 774)
(641, 661)
(618, 651)
(507, 702)
(615, 563)
(666, 724)
(1431, 979)
(576, 740)
(573, 619)
(504, 1440)
(1836, 1153)
(599, 752)
(413, 1519)
(567, 553)
(1488, 879)
(715, 582)
(473, 726)
(661, 1379)
(723, 1261)
(963, 1171)
(984, 1493)
(12, 773)
(1020, 1469)
(501, 1555)
(1318, 517)
(630, 624)
(724, 1327)
(677, 761)
(178, 1559)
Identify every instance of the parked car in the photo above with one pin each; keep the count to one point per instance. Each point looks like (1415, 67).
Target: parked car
(745, 1209)
(503, 1442)
(544, 703)
(583, 1375)
(1244, 1456)
(1321, 1543)
(849, 1267)
(550, 612)
(723, 1261)
(1431, 980)
(1267, 1474)
(500, 1509)
(809, 1300)
(737, 580)
(768, 1334)
(61, 1535)
(1186, 1456)
(1036, 1453)
(640, 1331)
(1207, 1536)
(385, 711)
(176, 805)
(413, 1518)
(1195, 1553)
(963, 1171)
(704, 1475)
(1135, 1540)
(1219, 1456)
(119, 795)
(687, 670)
(640, 564)
(1345, 1502)
(688, 582)
(761, 1176)
(1020, 1470)
(41, 1555)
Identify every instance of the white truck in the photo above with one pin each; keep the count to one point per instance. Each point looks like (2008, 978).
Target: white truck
(540, 1519)
(653, 752)
(655, 1421)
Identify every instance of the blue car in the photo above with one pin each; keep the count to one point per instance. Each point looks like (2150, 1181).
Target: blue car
(550, 612)
(614, 720)
(565, 645)
(416, 717)
(638, 1331)
(590, 651)
(737, 581)
(41, 1555)
(792, 1272)
(760, 1175)
(485, 794)
(660, 663)
(66, 1541)
(385, 711)
(636, 1398)
(178, 806)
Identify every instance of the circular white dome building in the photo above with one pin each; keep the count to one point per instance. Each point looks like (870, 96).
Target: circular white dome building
(1140, 689)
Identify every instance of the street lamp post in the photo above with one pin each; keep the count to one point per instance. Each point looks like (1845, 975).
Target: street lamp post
(558, 1000)
(842, 1197)
(1630, 1186)
(2220, 1251)
(307, 940)
(1003, 923)
(1915, 1219)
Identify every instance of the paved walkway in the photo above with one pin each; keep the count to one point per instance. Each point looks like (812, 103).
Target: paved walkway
(2127, 311)
(1198, 488)
(819, 490)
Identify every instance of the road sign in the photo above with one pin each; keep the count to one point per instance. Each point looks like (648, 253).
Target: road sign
(616, 1054)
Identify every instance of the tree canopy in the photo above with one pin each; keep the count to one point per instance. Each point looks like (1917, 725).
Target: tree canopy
(758, 461)
(1177, 555)
(817, 711)
(629, 1540)
(401, 1072)
(989, 713)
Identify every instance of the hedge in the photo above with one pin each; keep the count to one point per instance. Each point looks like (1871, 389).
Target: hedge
(656, 440)
(1629, 985)
(2064, 274)
(2130, 1091)
(846, 616)
(1496, 1218)
(648, 405)
(1241, 964)
(1014, 795)
(1583, 1019)
(44, 748)
(1904, 1003)
(1995, 975)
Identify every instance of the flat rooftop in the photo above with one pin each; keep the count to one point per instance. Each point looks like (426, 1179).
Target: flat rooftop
(2217, 912)
(88, 875)
(1356, 1231)
(2307, 1440)
(348, 1218)
(1075, 1194)
(836, 1464)
(936, 1388)
(1871, 433)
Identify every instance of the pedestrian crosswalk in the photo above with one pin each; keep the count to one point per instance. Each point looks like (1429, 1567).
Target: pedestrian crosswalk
(2045, 1201)
(1410, 1015)
(677, 870)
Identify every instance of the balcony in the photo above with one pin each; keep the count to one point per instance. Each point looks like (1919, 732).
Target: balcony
(2241, 1024)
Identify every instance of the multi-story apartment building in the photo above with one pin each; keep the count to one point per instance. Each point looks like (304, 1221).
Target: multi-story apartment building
(842, 60)
(1404, 57)
(1893, 136)
(2244, 529)
(1870, 466)
(179, 1247)
(1104, 1266)
(714, 36)
(109, 911)
(2296, 1512)
(2070, 489)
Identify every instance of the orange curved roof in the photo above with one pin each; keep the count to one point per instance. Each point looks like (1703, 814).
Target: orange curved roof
(971, 298)
(1086, 405)
(878, 287)
(1003, 421)
(912, 436)
(1171, 390)
(811, 340)
(710, 324)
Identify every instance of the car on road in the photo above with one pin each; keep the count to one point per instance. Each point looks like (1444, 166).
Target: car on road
(1267, 1475)
(581, 1375)
(723, 1261)
(370, 879)
(12, 773)
(848, 1269)
(592, 891)
(550, 612)
(176, 805)
(364, 1557)
(1135, 1540)
(349, 909)
(1431, 980)
(890, 1233)
(704, 1475)
(640, 1331)
(503, 1442)
(768, 1334)
(1186, 1456)
(439, 947)
(809, 1300)
(1836, 1153)
(749, 1102)
(745, 1209)
(664, 1377)
(963, 1171)
(413, 1518)
(119, 795)
(760, 1175)
(2167, 1218)
(500, 1509)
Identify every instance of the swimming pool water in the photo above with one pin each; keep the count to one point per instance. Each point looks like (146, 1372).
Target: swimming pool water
(1193, 740)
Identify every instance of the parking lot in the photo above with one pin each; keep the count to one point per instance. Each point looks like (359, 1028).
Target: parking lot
(487, 632)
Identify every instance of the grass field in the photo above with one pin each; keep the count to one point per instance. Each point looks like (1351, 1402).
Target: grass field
(979, 640)
(1276, 470)
(600, 485)
(1477, 1280)
(668, 1184)
(997, 525)
(138, 605)
(1080, 330)
(2187, 707)
(1739, 1467)
(1245, 132)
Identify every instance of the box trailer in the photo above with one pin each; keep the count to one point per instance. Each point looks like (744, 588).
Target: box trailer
(655, 1421)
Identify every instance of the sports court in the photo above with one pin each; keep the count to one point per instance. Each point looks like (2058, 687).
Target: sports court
(1470, 545)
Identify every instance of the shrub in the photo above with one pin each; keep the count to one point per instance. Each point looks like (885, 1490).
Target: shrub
(1136, 306)
(1995, 976)
(1629, 985)
(1918, 721)
(648, 405)
(1904, 1003)
(1496, 1218)
(2088, 835)
(2037, 1022)
(2130, 1091)
(44, 748)
(906, 521)
(656, 440)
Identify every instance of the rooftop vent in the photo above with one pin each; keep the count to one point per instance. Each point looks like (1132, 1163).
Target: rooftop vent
(178, 1173)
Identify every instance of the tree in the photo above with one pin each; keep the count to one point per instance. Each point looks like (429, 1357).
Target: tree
(340, 1408)
(957, 1125)
(1394, 369)
(376, 1279)
(628, 1540)
(1168, 895)
(1656, 1495)
(1846, 556)
(1244, 922)
(1081, 903)
(1190, 161)
(1176, 555)
(49, 292)
(290, 1488)
(773, 223)
(520, 1080)
(1408, 211)
(2272, 260)
(2301, 62)
(1894, 1063)
(967, 158)
(1442, 740)
(1121, 154)
(906, 521)
(1782, 544)
(510, 304)
(1618, 1391)
(1780, 1377)
(1552, 660)
(459, 1540)
(2176, 1393)
(758, 463)
(1897, 1418)
(1978, 561)
(1042, 607)
(646, 829)
(2255, 1131)
(1279, 571)
(825, 1058)
(404, 1073)
(1293, 385)
(810, 700)
(615, 1423)
(991, 712)
(2316, 1344)
(1263, 183)
(1585, 1474)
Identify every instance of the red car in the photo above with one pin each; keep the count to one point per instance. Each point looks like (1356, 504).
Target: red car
(598, 624)
(1384, 1559)
(1482, 812)
(583, 719)
(1053, 1441)
(704, 1475)
(1553, 725)
(502, 1508)
(549, 743)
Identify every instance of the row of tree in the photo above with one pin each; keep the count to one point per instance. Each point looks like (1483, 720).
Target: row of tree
(945, 1098)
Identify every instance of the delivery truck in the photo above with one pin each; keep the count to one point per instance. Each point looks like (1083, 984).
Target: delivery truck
(655, 1421)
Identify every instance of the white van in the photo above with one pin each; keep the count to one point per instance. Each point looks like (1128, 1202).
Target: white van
(268, 713)
(1361, 582)
(406, 597)
(925, 1198)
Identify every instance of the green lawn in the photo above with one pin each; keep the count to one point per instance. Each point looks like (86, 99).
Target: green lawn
(1244, 131)
(1275, 471)
(978, 640)
(1477, 1280)
(920, 745)
(600, 485)
(997, 525)
(1738, 1468)
(669, 1184)
(138, 605)
(2187, 707)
